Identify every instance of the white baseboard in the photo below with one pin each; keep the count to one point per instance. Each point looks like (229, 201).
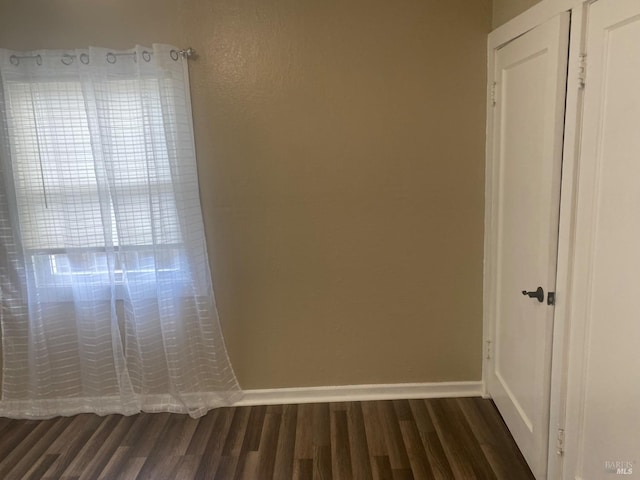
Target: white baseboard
(351, 393)
(41, 409)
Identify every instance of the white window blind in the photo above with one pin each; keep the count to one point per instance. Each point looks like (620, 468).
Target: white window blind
(62, 205)
(55, 172)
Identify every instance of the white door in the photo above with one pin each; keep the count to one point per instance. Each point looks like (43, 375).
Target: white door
(528, 122)
(604, 388)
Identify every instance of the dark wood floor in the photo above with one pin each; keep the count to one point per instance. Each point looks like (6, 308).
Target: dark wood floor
(399, 439)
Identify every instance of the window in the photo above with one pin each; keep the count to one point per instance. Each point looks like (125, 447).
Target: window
(81, 217)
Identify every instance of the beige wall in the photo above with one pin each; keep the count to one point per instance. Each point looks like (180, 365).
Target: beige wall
(504, 10)
(340, 150)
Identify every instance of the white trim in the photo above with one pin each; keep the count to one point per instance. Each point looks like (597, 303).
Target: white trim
(488, 287)
(43, 409)
(351, 393)
(536, 15)
(566, 233)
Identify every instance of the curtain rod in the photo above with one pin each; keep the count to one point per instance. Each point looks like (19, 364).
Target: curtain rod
(187, 52)
(68, 58)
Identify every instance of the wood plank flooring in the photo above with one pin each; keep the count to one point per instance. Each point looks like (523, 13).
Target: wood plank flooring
(461, 438)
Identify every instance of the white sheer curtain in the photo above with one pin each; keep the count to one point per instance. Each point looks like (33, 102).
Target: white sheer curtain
(106, 298)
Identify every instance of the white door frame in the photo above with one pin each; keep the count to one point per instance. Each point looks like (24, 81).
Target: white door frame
(528, 20)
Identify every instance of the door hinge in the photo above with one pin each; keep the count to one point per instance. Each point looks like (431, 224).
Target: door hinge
(488, 343)
(493, 93)
(560, 442)
(582, 70)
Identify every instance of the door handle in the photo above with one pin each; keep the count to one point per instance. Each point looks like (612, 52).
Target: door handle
(539, 294)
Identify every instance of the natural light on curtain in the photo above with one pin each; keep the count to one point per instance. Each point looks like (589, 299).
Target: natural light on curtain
(106, 298)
